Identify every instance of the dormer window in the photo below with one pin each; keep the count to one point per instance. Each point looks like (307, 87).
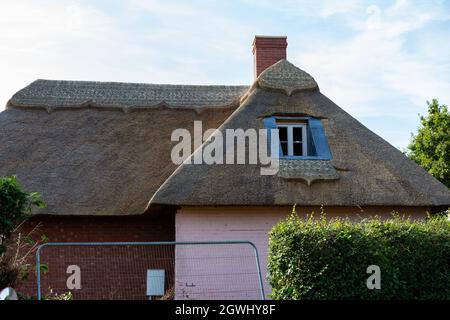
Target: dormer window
(300, 137)
(293, 139)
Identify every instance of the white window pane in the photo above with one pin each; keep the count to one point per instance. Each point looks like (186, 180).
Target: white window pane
(293, 139)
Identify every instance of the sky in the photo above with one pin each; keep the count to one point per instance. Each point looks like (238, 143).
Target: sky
(378, 60)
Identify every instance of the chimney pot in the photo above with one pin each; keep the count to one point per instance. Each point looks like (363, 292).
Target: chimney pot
(267, 50)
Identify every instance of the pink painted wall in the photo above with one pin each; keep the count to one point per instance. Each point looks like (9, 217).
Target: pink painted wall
(228, 272)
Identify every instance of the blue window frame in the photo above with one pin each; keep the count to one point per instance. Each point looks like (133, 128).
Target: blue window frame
(300, 137)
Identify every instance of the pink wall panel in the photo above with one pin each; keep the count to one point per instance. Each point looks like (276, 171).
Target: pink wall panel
(226, 272)
(206, 225)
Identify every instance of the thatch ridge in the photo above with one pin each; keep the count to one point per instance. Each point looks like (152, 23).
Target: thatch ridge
(285, 77)
(58, 94)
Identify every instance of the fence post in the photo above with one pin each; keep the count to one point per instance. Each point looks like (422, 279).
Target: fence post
(258, 266)
(38, 271)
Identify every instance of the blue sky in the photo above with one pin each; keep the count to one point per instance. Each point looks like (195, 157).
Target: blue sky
(378, 60)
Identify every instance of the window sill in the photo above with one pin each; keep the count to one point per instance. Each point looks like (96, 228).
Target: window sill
(307, 170)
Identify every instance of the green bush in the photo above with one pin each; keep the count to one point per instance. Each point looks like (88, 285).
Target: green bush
(15, 206)
(328, 258)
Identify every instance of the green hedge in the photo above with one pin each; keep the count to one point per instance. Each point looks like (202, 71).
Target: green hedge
(328, 258)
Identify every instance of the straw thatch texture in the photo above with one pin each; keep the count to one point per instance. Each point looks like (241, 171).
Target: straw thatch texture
(371, 171)
(97, 160)
(95, 148)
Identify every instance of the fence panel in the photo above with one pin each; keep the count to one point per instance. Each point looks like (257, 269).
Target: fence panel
(132, 270)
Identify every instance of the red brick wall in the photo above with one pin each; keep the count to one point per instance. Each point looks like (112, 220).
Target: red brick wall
(267, 51)
(106, 272)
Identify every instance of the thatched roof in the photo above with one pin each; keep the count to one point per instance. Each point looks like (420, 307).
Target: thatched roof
(73, 143)
(93, 148)
(365, 169)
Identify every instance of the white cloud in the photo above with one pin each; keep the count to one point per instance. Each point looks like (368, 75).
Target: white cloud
(200, 28)
(75, 40)
(49, 39)
(333, 7)
(164, 8)
(320, 9)
(374, 74)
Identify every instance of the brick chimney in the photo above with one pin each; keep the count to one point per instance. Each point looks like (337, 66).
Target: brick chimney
(267, 50)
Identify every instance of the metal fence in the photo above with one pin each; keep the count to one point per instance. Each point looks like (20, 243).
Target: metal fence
(150, 270)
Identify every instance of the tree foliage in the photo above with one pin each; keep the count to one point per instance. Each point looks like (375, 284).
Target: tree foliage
(15, 206)
(430, 147)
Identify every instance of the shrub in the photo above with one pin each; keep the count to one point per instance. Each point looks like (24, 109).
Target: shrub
(328, 259)
(55, 296)
(15, 261)
(15, 248)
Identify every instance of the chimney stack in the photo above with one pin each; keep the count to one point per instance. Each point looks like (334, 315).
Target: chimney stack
(267, 50)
